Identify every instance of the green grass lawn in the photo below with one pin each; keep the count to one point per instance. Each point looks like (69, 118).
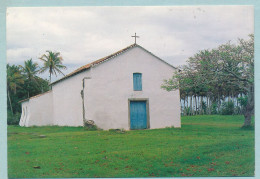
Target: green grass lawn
(204, 146)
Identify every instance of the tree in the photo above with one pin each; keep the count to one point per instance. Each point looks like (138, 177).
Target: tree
(52, 62)
(18, 87)
(30, 69)
(225, 71)
(237, 64)
(14, 80)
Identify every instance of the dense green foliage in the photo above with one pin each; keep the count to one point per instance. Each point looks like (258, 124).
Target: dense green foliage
(204, 146)
(23, 82)
(213, 76)
(228, 108)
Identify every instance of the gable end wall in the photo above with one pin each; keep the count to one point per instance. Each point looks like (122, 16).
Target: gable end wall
(111, 86)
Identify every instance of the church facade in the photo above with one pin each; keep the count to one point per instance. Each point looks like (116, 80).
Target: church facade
(120, 91)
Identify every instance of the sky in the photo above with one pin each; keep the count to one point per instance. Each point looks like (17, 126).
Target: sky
(86, 34)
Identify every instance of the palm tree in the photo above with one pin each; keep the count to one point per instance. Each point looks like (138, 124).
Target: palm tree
(14, 80)
(30, 69)
(52, 62)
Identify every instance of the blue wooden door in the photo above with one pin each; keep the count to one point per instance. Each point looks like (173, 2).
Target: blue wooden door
(138, 117)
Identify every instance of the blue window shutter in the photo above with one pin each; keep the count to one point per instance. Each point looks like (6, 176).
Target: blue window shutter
(137, 79)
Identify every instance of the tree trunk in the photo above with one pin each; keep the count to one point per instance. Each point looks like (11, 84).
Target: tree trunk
(248, 116)
(50, 81)
(233, 98)
(10, 102)
(218, 103)
(184, 111)
(14, 88)
(210, 105)
(191, 107)
(207, 98)
(196, 108)
(249, 107)
(187, 103)
(29, 87)
(201, 105)
(237, 100)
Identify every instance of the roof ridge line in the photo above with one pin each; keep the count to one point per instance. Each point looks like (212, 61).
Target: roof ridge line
(106, 58)
(94, 63)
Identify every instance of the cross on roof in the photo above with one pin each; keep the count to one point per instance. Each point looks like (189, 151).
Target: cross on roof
(135, 37)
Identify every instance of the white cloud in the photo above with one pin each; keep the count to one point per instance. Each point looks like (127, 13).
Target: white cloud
(84, 34)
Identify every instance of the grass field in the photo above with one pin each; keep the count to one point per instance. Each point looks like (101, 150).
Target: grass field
(204, 146)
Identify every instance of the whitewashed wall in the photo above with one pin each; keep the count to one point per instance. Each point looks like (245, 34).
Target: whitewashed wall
(112, 85)
(37, 111)
(25, 114)
(107, 94)
(67, 101)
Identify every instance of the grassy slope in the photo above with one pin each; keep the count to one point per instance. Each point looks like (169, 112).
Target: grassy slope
(204, 146)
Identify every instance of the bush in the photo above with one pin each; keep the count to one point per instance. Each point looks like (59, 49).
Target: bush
(227, 108)
(204, 107)
(237, 110)
(214, 107)
(187, 111)
(243, 102)
(13, 119)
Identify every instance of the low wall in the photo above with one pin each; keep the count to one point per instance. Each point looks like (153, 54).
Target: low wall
(37, 111)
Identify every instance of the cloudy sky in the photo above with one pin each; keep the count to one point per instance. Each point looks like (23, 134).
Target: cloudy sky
(85, 34)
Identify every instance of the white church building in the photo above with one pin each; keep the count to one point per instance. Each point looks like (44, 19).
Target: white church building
(120, 91)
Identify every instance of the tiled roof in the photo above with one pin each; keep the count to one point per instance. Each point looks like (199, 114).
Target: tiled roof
(87, 66)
